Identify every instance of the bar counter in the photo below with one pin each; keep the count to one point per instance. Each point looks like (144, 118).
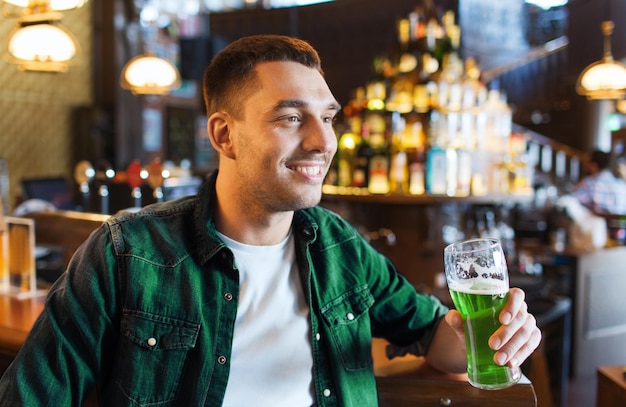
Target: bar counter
(405, 381)
(411, 391)
(410, 381)
(17, 317)
(402, 381)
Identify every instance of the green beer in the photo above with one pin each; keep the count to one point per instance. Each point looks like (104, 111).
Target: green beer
(478, 280)
(480, 310)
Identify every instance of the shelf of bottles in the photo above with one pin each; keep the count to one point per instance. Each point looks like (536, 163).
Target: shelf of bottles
(427, 128)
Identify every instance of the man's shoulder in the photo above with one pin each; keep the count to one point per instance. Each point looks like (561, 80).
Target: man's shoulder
(156, 212)
(330, 226)
(323, 215)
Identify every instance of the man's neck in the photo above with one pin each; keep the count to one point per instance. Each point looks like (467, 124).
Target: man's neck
(249, 224)
(254, 233)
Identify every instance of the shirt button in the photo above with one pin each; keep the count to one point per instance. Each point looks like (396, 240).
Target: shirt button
(228, 297)
(326, 392)
(151, 341)
(318, 336)
(221, 360)
(350, 316)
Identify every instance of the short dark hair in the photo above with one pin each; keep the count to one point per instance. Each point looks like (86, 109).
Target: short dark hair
(601, 158)
(230, 75)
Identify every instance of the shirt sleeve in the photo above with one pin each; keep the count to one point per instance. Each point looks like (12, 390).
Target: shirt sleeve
(401, 315)
(68, 345)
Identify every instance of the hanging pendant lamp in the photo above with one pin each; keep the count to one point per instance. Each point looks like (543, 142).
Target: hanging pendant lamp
(40, 42)
(42, 46)
(604, 79)
(57, 5)
(147, 74)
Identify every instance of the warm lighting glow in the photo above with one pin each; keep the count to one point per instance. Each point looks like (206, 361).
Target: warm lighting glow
(19, 3)
(148, 74)
(604, 79)
(547, 4)
(41, 47)
(59, 5)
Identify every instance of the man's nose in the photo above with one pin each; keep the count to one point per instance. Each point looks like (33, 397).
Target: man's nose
(320, 136)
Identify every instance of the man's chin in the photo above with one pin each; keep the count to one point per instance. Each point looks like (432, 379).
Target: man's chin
(308, 200)
(309, 203)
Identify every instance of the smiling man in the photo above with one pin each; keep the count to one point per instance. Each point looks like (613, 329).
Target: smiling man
(248, 293)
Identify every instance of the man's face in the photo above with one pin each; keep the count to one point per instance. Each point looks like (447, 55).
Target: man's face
(285, 141)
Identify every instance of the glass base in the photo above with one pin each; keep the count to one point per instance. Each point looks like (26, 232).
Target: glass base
(513, 376)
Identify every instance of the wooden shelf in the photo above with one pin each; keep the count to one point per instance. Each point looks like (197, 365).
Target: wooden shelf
(361, 195)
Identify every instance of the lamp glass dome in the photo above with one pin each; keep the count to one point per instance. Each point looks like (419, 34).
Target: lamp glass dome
(42, 42)
(61, 5)
(58, 5)
(605, 75)
(149, 74)
(604, 79)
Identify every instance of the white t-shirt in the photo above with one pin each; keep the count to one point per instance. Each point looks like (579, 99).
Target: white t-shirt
(271, 362)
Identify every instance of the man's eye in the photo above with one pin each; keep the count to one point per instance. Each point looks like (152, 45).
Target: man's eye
(293, 119)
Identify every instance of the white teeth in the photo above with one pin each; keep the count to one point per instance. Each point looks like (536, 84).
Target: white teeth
(309, 170)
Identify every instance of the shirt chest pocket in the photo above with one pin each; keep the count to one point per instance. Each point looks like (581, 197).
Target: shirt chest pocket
(153, 352)
(349, 325)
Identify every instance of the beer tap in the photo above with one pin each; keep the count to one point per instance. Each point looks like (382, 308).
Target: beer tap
(133, 177)
(155, 178)
(83, 175)
(104, 173)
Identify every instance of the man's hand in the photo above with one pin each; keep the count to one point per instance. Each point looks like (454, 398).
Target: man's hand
(518, 336)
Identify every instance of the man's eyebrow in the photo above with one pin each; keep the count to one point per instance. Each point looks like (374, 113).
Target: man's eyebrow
(335, 106)
(301, 103)
(289, 103)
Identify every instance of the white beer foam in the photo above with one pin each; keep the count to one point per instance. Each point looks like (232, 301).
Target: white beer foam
(479, 285)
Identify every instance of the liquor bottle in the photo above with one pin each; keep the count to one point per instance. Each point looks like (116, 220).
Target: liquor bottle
(399, 171)
(375, 117)
(4, 253)
(347, 157)
(404, 63)
(378, 182)
(464, 168)
(414, 141)
(417, 172)
(436, 170)
(452, 170)
(353, 112)
(360, 173)
(436, 182)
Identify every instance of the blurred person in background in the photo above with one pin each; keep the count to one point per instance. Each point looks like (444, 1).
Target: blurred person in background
(602, 191)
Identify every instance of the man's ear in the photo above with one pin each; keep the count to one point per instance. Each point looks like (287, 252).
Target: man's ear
(219, 131)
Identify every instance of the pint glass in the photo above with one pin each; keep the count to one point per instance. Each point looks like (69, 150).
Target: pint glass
(478, 280)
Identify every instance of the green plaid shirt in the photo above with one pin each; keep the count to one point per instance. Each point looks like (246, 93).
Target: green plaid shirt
(146, 311)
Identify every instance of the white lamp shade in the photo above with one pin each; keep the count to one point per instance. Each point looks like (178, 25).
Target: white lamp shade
(605, 75)
(19, 3)
(42, 42)
(604, 79)
(58, 5)
(149, 74)
(61, 5)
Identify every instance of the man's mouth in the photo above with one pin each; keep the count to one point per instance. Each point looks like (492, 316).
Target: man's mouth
(313, 170)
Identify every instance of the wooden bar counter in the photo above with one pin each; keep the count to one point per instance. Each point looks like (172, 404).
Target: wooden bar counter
(17, 317)
(406, 381)
(412, 391)
(410, 381)
(66, 229)
(611, 386)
